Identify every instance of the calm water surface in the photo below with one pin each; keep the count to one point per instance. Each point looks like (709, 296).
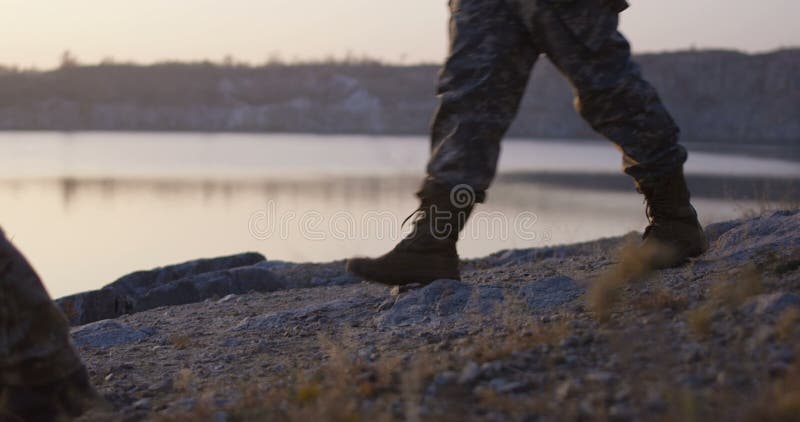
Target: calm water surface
(89, 207)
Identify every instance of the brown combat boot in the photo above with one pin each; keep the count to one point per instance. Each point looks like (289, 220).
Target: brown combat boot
(59, 400)
(674, 234)
(428, 253)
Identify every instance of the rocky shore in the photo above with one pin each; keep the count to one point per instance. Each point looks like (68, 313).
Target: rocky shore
(575, 332)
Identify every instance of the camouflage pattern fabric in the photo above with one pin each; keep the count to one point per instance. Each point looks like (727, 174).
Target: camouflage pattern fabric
(493, 47)
(35, 346)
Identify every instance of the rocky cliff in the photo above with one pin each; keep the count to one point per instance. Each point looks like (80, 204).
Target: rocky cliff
(574, 332)
(718, 96)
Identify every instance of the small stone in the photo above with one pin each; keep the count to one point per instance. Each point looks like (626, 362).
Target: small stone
(622, 394)
(504, 386)
(366, 352)
(143, 404)
(569, 342)
(445, 378)
(490, 368)
(564, 390)
(570, 361)
(470, 373)
(397, 290)
(109, 377)
(161, 387)
(601, 377)
(385, 305)
(227, 298)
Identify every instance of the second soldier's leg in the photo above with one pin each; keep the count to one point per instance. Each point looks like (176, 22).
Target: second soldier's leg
(491, 55)
(41, 375)
(617, 102)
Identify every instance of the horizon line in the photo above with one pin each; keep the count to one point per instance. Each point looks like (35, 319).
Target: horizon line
(69, 60)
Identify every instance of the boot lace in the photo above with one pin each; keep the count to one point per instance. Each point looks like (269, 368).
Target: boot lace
(415, 216)
(655, 209)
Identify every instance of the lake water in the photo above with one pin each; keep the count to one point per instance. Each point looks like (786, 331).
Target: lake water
(87, 208)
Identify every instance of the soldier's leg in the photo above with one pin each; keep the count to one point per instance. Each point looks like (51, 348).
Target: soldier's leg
(582, 40)
(613, 97)
(480, 87)
(41, 375)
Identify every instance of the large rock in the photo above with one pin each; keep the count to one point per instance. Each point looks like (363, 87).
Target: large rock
(776, 232)
(188, 282)
(202, 286)
(107, 333)
(139, 283)
(438, 299)
(441, 301)
(83, 308)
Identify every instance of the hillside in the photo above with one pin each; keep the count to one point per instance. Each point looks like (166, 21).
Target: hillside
(575, 332)
(716, 96)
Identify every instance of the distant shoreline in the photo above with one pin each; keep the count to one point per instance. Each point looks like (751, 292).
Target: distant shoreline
(736, 97)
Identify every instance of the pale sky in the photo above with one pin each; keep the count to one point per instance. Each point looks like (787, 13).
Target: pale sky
(36, 32)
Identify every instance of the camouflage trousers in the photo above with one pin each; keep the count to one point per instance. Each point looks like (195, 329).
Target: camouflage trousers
(35, 346)
(494, 45)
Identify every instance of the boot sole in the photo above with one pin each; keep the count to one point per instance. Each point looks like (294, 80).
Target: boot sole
(359, 267)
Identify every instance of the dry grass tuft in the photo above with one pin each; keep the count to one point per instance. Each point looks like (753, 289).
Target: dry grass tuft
(661, 299)
(336, 391)
(180, 342)
(308, 393)
(699, 320)
(633, 265)
(787, 324)
(686, 405)
(184, 380)
(781, 402)
(744, 283)
(514, 408)
(514, 330)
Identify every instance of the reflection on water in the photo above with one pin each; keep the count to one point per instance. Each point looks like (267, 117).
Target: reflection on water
(88, 208)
